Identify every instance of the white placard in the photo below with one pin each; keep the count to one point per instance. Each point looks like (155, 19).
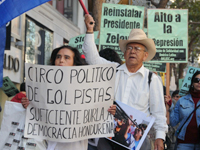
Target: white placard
(12, 130)
(69, 104)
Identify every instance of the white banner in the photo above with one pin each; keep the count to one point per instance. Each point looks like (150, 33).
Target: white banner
(12, 130)
(69, 104)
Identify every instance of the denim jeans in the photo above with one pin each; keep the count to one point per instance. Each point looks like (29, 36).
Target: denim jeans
(185, 146)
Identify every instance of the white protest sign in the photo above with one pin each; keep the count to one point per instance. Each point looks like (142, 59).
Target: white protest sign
(69, 104)
(12, 130)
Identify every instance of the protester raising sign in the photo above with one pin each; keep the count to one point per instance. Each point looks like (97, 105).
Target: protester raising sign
(169, 30)
(69, 103)
(116, 23)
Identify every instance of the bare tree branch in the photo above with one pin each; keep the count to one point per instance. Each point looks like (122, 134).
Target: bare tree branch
(194, 23)
(191, 42)
(192, 37)
(181, 4)
(163, 3)
(153, 3)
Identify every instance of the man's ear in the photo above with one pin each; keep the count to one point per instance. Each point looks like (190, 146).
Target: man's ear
(146, 54)
(124, 53)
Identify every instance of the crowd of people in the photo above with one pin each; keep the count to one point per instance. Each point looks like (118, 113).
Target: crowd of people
(135, 87)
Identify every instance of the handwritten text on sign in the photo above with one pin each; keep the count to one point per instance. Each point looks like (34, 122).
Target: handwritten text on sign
(69, 103)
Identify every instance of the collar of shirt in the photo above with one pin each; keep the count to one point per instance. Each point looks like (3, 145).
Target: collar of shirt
(125, 70)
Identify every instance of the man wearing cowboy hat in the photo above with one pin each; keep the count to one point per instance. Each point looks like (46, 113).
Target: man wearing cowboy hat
(131, 86)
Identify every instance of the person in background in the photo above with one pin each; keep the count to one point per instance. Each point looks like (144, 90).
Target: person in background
(17, 98)
(66, 56)
(171, 102)
(170, 136)
(174, 99)
(187, 133)
(111, 55)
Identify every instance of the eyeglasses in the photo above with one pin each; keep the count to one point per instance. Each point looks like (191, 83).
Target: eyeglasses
(136, 48)
(196, 80)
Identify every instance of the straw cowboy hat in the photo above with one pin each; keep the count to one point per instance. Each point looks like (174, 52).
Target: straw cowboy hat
(138, 36)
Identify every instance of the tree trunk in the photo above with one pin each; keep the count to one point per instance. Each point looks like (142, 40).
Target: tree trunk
(97, 6)
(161, 4)
(181, 67)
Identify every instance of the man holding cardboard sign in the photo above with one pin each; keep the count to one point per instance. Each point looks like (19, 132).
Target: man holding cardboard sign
(132, 87)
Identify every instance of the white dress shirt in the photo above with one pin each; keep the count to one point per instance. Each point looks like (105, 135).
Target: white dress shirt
(80, 145)
(133, 88)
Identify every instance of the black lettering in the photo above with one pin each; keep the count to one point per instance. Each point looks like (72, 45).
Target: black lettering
(108, 94)
(16, 64)
(32, 113)
(29, 73)
(108, 38)
(48, 75)
(59, 96)
(35, 93)
(78, 94)
(42, 73)
(178, 18)
(49, 101)
(61, 76)
(30, 93)
(73, 75)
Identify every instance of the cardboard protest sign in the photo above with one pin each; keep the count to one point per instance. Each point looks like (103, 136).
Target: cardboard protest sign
(131, 127)
(9, 88)
(116, 23)
(169, 30)
(155, 67)
(12, 130)
(187, 80)
(78, 41)
(69, 104)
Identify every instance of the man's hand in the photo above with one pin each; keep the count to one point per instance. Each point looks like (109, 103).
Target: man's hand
(25, 102)
(112, 109)
(167, 98)
(88, 20)
(158, 145)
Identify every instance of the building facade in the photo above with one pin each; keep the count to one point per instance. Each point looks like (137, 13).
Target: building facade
(36, 33)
